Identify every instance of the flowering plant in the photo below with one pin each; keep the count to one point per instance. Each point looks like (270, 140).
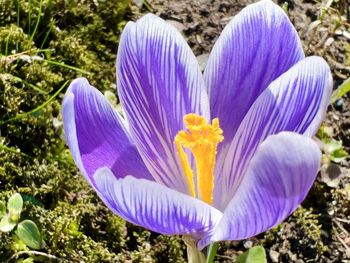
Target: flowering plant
(223, 155)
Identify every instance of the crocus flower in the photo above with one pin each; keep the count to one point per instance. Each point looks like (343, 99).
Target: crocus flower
(223, 155)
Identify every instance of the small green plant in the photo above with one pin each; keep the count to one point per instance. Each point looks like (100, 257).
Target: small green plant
(253, 255)
(27, 231)
(333, 150)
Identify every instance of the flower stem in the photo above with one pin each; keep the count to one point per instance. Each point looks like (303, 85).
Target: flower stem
(212, 252)
(193, 254)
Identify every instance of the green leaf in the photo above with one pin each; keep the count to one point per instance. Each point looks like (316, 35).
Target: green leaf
(325, 133)
(332, 146)
(15, 205)
(29, 233)
(253, 255)
(341, 91)
(2, 209)
(339, 155)
(6, 224)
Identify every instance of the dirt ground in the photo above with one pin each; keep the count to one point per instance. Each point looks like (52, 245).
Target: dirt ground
(201, 22)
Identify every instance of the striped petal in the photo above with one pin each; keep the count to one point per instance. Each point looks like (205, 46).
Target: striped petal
(278, 178)
(96, 135)
(159, 82)
(296, 101)
(255, 48)
(154, 206)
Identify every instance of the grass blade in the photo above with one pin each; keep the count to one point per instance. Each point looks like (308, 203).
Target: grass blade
(341, 91)
(22, 115)
(37, 22)
(61, 64)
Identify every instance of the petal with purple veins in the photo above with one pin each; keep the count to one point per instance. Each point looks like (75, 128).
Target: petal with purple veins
(96, 135)
(296, 101)
(256, 47)
(159, 81)
(154, 206)
(277, 180)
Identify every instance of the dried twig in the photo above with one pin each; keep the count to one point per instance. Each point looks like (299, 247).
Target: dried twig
(34, 253)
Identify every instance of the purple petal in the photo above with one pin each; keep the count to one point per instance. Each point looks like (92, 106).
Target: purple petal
(278, 178)
(155, 206)
(159, 82)
(296, 101)
(255, 48)
(96, 135)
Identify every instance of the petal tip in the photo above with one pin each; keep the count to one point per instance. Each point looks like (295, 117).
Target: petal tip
(77, 84)
(80, 81)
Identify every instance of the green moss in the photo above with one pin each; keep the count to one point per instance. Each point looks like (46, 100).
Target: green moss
(34, 160)
(308, 223)
(341, 201)
(12, 38)
(65, 233)
(5, 245)
(169, 249)
(299, 237)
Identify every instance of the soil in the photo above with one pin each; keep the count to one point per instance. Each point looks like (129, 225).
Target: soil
(201, 22)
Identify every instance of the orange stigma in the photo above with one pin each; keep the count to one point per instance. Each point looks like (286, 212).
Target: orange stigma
(202, 140)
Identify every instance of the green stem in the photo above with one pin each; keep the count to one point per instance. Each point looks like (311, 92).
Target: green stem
(17, 20)
(18, 13)
(16, 151)
(213, 248)
(7, 43)
(193, 254)
(47, 35)
(61, 64)
(37, 22)
(29, 16)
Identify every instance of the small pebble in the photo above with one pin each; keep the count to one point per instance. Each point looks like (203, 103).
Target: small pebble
(178, 25)
(248, 244)
(329, 42)
(339, 104)
(331, 212)
(274, 256)
(335, 117)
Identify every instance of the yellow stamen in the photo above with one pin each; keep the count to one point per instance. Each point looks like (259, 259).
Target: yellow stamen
(202, 139)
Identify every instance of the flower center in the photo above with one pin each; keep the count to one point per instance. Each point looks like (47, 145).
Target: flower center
(202, 140)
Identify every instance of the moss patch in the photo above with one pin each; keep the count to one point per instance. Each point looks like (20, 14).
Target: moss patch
(39, 52)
